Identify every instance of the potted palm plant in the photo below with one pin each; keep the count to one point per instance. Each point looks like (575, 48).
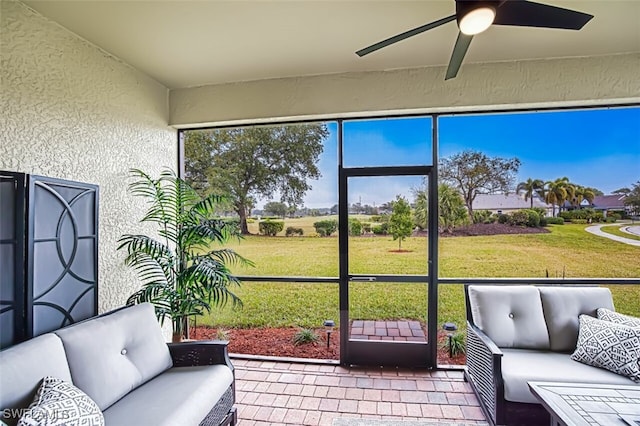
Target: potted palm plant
(185, 271)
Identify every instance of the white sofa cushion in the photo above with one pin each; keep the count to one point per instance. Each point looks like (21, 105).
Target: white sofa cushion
(563, 305)
(520, 366)
(112, 355)
(179, 396)
(510, 315)
(22, 368)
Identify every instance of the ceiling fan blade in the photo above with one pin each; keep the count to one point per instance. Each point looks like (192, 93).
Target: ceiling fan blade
(529, 14)
(404, 35)
(459, 50)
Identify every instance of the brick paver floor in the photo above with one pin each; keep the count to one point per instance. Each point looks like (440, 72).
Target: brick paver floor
(411, 331)
(276, 393)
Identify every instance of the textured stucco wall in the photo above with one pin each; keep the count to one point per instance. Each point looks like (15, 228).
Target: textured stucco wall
(71, 111)
(505, 85)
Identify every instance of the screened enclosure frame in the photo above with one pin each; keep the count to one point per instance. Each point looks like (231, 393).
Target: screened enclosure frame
(432, 278)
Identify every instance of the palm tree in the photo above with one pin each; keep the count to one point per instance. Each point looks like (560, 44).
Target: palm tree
(181, 275)
(452, 210)
(530, 187)
(581, 193)
(557, 192)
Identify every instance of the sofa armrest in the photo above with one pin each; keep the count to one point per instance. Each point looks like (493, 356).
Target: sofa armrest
(484, 372)
(204, 352)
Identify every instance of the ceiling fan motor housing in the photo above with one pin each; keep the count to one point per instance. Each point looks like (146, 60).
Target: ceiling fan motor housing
(475, 16)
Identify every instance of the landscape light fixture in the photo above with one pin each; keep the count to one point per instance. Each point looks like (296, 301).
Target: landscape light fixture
(474, 17)
(450, 327)
(328, 327)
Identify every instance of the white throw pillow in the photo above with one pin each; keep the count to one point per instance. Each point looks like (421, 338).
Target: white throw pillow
(59, 403)
(608, 345)
(607, 315)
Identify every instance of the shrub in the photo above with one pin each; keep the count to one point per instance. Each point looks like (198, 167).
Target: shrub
(382, 218)
(616, 216)
(270, 227)
(366, 227)
(542, 212)
(381, 229)
(503, 218)
(481, 216)
(232, 221)
(544, 221)
(305, 335)
(222, 334)
(355, 227)
(491, 219)
(458, 345)
(533, 220)
(294, 231)
(555, 221)
(567, 216)
(588, 214)
(519, 218)
(609, 219)
(579, 221)
(325, 228)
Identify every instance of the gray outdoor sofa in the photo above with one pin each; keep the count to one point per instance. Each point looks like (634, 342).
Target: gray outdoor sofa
(517, 334)
(121, 361)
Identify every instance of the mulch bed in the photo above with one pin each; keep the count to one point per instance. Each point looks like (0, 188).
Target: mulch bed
(279, 342)
(488, 229)
(493, 229)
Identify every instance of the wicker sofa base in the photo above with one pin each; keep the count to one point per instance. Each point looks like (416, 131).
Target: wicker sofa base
(513, 413)
(223, 413)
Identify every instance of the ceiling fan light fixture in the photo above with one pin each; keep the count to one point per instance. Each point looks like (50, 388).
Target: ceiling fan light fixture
(477, 20)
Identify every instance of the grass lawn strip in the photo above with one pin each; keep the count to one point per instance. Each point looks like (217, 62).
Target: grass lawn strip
(615, 230)
(567, 250)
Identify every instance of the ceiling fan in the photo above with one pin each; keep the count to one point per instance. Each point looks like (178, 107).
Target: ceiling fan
(475, 16)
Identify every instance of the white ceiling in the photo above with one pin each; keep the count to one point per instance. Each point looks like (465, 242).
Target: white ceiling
(185, 43)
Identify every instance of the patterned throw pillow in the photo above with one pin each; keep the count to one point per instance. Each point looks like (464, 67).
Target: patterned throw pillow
(60, 403)
(607, 315)
(608, 345)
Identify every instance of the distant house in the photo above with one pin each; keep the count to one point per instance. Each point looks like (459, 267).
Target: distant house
(502, 203)
(606, 203)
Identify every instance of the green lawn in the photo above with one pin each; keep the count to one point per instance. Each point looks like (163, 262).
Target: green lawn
(567, 249)
(615, 230)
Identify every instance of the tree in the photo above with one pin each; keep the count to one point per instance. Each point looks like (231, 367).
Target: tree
(400, 222)
(581, 193)
(474, 173)
(421, 211)
(274, 208)
(557, 192)
(451, 206)
(632, 200)
(621, 191)
(254, 162)
(531, 187)
(596, 191)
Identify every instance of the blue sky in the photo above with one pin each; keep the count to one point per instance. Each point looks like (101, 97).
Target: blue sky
(598, 148)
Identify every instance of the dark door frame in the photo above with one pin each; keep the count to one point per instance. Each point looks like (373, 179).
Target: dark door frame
(388, 353)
